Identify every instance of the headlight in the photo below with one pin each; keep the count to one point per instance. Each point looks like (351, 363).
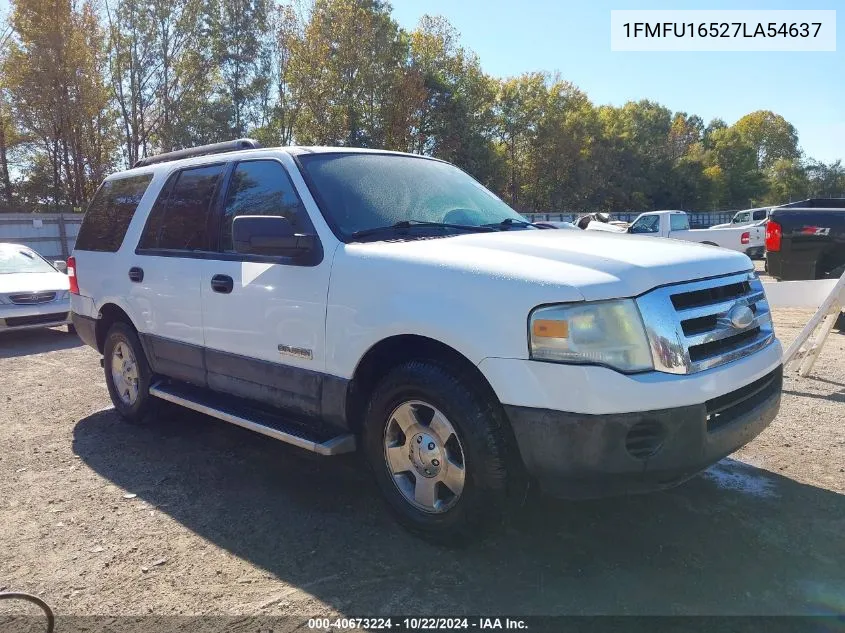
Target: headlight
(602, 333)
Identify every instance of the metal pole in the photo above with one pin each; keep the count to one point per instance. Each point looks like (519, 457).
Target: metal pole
(63, 236)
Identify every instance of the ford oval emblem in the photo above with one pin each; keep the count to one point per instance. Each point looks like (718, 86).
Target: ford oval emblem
(740, 316)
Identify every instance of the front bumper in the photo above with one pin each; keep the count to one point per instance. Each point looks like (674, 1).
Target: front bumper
(25, 317)
(575, 455)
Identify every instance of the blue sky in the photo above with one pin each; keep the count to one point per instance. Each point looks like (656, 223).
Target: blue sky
(573, 37)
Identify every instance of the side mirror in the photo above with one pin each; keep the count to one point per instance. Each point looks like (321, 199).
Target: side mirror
(60, 265)
(269, 235)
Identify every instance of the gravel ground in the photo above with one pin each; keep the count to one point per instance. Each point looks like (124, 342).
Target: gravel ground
(188, 515)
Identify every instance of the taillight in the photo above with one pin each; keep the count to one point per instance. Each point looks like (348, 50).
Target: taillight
(745, 238)
(773, 234)
(71, 274)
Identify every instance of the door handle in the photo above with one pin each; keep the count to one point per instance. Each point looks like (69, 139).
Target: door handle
(222, 284)
(136, 274)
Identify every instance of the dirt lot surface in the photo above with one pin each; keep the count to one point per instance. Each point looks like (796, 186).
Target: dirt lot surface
(189, 515)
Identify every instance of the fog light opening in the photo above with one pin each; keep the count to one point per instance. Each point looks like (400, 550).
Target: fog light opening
(645, 439)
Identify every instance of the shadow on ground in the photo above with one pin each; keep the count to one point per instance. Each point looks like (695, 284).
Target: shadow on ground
(834, 397)
(27, 342)
(736, 541)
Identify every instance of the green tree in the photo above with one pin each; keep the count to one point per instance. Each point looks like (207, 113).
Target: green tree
(453, 118)
(240, 34)
(280, 105)
(54, 74)
(787, 181)
(8, 135)
(826, 180)
(519, 107)
(561, 149)
(771, 136)
(347, 73)
(742, 183)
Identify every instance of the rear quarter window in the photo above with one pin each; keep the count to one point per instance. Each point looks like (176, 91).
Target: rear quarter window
(110, 213)
(678, 222)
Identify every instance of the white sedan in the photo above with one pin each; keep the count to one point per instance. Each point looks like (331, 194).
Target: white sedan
(33, 292)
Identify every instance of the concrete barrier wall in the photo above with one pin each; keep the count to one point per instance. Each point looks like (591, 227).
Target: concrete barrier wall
(52, 235)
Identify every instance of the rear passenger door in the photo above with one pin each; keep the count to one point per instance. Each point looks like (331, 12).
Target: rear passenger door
(167, 271)
(264, 322)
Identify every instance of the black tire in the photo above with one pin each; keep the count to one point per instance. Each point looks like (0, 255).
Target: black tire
(494, 477)
(137, 411)
(840, 322)
(71, 329)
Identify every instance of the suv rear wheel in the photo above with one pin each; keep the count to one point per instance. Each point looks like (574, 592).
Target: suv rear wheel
(440, 452)
(128, 373)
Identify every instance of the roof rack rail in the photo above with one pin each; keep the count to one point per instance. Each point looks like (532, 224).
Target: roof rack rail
(202, 150)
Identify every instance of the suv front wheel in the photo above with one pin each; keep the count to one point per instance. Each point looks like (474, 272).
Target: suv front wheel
(128, 373)
(440, 452)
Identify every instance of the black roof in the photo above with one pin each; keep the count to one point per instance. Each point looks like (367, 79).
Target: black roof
(815, 203)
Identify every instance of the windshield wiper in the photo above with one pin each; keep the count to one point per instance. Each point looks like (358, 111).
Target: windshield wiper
(404, 225)
(507, 223)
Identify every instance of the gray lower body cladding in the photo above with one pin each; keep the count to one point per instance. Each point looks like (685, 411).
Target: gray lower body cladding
(575, 455)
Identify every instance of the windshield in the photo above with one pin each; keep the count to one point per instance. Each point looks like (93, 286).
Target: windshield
(17, 259)
(366, 191)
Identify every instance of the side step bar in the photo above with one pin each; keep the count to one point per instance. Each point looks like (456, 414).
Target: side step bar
(344, 443)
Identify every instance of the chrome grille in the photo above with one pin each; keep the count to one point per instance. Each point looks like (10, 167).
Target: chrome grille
(703, 324)
(32, 298)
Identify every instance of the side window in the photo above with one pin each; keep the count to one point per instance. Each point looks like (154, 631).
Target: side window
(185, 223)
(261, 187)
(678, 222)
(742, 217)
(646, 224)
(149, 238)
(760, 215)
(110, 213)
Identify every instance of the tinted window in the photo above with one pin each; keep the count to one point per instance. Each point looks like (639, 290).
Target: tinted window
(110, 212)
(760, 215)
(678, 222)
(261, 188)
(149, 238)
(646, 224)
(185, 223)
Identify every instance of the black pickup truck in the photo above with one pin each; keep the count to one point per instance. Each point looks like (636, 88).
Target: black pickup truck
(806, 240)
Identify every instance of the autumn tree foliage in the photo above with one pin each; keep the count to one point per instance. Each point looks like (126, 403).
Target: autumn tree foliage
(89, 86)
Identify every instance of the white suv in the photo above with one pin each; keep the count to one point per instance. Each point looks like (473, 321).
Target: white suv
(338, 298)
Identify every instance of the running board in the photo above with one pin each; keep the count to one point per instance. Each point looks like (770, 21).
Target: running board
(217, 406)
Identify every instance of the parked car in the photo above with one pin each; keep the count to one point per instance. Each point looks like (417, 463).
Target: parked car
(548, 224)
(341, 299)
(675, 225)
(806, 240)
(33, 292)
(746, 218)
(601, 222)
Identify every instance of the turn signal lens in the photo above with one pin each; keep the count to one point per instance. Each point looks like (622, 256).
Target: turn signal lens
(547, 328)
